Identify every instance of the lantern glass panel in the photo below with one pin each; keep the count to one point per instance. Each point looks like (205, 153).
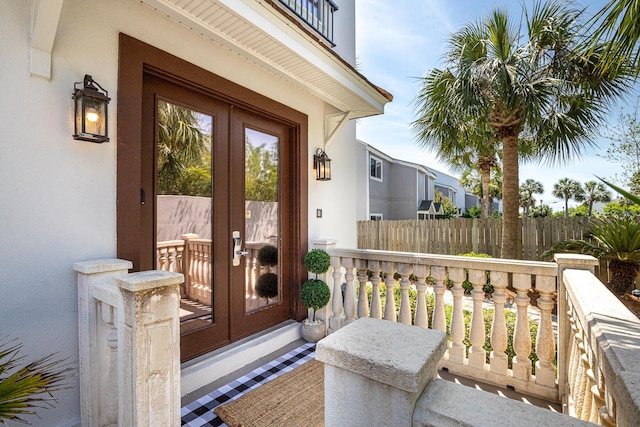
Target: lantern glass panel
(94, 116)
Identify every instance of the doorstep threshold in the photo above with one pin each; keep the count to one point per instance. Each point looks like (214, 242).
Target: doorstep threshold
(208, 368)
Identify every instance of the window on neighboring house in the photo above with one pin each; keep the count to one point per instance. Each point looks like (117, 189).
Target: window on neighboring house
(375, 217)
(376, 169)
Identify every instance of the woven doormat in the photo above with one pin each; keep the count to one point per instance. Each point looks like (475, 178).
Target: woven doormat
(294, 399)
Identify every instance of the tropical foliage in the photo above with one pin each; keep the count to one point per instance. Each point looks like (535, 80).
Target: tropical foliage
(527, 191)
(616, 239)
(593, 192)
(28, 386)
(618, 24)
(624, 148)
(449, 209)
(183, 151)
(533, 86)
(567, 189)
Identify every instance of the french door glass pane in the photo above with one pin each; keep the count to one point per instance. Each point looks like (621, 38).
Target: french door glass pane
(262, 275)
(183, 207)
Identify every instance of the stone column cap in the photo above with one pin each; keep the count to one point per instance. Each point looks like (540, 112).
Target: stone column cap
(147, 280)
(102, 266)
(402, 356)
(575, 259)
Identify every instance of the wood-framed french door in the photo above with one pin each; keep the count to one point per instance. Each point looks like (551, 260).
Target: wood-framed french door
(219, 180)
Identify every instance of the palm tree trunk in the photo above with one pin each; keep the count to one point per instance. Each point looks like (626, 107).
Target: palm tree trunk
(566, 207)
(590, 208)
(485, 177)
(510, 197)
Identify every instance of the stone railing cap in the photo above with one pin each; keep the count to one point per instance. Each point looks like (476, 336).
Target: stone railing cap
(398, 355)
(146, 280)
(575, 259)
(102, 266)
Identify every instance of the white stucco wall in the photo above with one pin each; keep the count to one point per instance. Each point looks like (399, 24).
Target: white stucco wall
(59, 195)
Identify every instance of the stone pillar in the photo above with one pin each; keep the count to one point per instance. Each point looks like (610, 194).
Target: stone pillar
(93, 338)
(375, 371)
(575, 262)
(149, 350)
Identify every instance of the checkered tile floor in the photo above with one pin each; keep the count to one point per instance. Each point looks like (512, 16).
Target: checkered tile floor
(200, 412)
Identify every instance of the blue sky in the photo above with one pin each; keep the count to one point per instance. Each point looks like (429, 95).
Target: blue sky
(399, 41)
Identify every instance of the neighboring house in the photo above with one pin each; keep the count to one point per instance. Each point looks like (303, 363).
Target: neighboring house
(248, 70)
(393, 189)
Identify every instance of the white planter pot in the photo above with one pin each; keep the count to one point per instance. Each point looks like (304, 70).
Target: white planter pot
(312, 331)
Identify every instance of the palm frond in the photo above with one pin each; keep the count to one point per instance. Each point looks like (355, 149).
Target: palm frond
(24, 389)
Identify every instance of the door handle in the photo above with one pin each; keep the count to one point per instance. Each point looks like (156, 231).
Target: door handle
(237, 248)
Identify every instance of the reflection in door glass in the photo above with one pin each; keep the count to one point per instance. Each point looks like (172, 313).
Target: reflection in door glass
(262, 278)
(183, 207)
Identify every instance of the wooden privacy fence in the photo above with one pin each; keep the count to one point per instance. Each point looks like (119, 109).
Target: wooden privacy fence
(463, 235)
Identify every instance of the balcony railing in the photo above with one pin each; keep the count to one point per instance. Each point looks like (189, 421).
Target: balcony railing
(317, 13)
(588, 363)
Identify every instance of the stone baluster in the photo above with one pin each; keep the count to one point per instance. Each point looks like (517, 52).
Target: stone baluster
(375, 267)
(577, 389)
(162, 259)
(187, 268)
(498, 360)
(439, 274)
(606, 416)
(363, 300)
(422, 317)
(457, 349)
(388, 268)
(336, 321)
(405, 271)
(588, 396)
(254, 271)
(109, 404)
(350, 291)
(545, 341)
(522, 335)
(477, 334)
(572, 348)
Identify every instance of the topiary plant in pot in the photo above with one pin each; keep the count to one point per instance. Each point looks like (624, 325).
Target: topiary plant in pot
(315, 294)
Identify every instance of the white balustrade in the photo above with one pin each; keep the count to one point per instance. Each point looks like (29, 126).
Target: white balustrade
(601, 365)
(440, 280)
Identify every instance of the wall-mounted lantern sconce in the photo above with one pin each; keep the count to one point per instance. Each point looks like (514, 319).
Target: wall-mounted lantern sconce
(91, 101)
(322, 165)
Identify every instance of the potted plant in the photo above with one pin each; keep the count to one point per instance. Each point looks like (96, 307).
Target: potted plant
(315, 294)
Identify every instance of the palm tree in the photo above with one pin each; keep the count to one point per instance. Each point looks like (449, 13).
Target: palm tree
(473, 146)
(472, 181)
(527, 190)
(618, 24)
(181, 144)
(567, 189)
(616, 239)
(593, 192)
(534, 88)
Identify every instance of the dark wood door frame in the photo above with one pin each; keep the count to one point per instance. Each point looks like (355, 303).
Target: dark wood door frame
(137, 59)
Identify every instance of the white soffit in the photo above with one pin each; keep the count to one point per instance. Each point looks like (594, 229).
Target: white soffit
(264, 36)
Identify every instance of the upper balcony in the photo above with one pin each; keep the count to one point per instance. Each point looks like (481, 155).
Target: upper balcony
(317, 13)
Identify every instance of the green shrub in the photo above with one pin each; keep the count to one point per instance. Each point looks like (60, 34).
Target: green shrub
(315, 294)
(267, 285)
(268, 255)
(317, 261)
